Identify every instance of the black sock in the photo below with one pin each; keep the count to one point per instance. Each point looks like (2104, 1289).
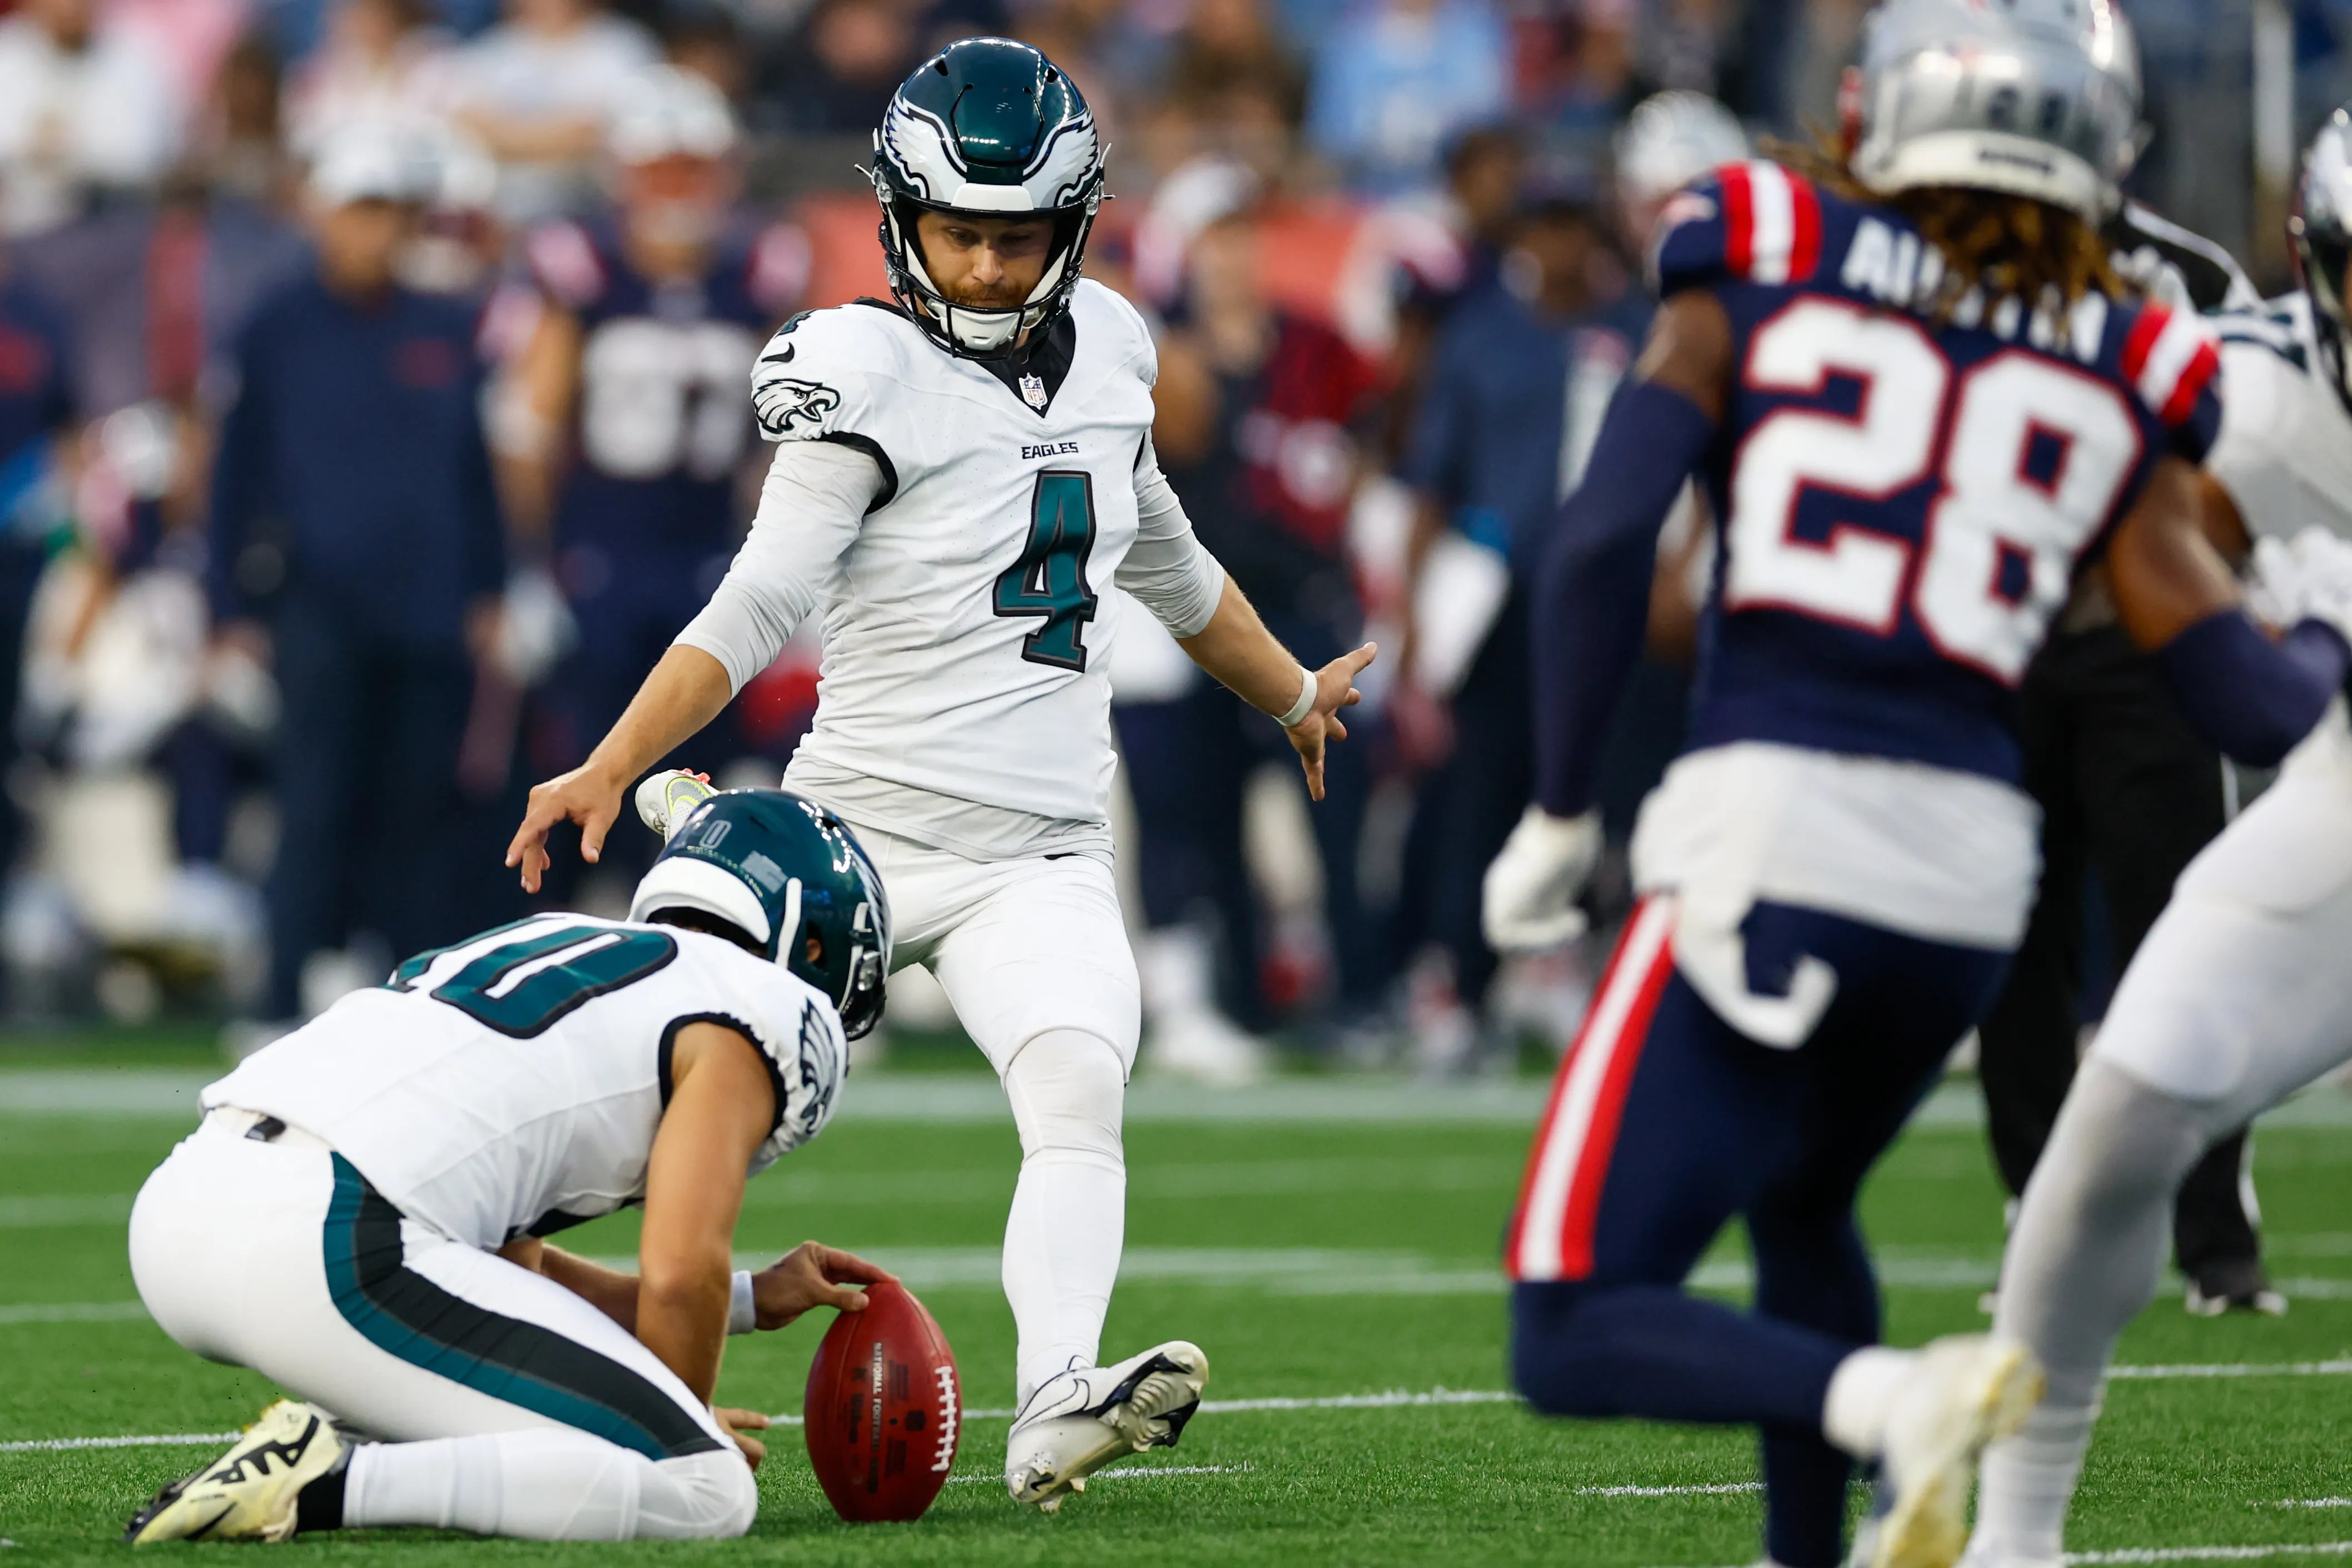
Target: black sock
(319, 1505)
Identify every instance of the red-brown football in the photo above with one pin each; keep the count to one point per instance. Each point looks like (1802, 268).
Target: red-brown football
(884, 1409)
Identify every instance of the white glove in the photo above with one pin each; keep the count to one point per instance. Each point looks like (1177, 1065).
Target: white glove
(1531, 887)
(667, 799)
(535, 627)
(2306, 578)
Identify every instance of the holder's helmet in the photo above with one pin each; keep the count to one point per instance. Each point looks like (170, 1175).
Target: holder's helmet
(2037, 97)
(990, 128)
(2322, 231)
(785, 872)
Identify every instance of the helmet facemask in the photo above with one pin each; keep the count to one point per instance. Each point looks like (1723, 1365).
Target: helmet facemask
(980, 332)
(2321, 229)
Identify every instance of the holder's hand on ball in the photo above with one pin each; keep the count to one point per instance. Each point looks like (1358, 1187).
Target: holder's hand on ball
(812, 1275)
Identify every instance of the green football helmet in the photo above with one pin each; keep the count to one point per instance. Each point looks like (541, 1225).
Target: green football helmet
(786, 873)
(990, 128)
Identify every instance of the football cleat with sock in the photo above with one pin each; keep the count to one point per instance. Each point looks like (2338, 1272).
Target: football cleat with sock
(249, 1493)
(2233, 1285)
(1962, 1392)
(1080, 1420)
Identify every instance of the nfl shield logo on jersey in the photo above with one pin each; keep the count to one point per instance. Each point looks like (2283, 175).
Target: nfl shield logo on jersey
(1033, 391)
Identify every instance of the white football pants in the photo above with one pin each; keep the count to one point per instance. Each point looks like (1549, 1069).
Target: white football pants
(1033, 955)
(507, 1406)
(2240, 996)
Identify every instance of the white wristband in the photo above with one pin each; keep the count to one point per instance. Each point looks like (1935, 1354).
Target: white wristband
(1306, 703)
(742, 1317)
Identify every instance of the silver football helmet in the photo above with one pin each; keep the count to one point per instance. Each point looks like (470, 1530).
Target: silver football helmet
(2321, 228)
(2038, 98)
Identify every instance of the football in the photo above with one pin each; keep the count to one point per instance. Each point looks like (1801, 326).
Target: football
(884, 1409)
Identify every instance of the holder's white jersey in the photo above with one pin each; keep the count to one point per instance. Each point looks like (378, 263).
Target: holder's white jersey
(513, 1084)
(2284, 453)
(965, 698)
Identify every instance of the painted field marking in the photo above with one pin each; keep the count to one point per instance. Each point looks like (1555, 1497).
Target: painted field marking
(1721, 1489)
(2211, 1554)
(1134, 1475)
(156, 1440)
(2308, 1502)
(74, 1312)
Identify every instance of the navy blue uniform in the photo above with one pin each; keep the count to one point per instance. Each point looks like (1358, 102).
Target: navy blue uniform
(648, 516)
(1513, 401)
(1905, 505)
(34, 407)
(353, 510)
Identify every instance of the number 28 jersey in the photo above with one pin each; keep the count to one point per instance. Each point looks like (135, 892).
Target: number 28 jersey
(1905, 502)
(513, 1084)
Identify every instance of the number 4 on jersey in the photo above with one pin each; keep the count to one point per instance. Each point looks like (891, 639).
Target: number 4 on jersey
(1050, 578)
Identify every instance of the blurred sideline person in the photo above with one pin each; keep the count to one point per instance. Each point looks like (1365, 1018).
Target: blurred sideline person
(388, 1263)
(2129, 793)
(37, 414)
(1908, 462)
(1520, 377)
(1259, 416)
(623, 430)
(356, 534)
(957, 476)
(2238, 996)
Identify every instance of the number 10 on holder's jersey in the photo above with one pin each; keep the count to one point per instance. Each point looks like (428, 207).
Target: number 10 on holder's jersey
(1997, 556)
(1049, 581)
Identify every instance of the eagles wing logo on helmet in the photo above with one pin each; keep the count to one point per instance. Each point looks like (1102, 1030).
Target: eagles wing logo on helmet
(993, 129)
(782, 404)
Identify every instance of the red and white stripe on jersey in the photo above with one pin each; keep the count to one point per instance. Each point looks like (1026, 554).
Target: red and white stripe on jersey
(1559, 1199)
(565, 260)
(1772, 220)
(2171, 357)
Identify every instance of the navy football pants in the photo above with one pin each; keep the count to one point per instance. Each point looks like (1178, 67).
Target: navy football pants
(1665, 1123)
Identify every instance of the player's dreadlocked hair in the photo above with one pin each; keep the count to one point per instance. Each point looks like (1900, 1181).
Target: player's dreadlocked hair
(2006, 244)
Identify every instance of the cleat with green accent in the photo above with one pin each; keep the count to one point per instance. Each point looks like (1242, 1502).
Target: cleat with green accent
(666, 799)
(1081, 1420)
(249, 1493)
(1965, 1391)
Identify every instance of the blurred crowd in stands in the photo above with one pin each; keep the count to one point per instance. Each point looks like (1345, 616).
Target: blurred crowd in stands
(373, 411)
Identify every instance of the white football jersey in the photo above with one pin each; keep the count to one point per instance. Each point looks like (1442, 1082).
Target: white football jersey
(513, 1084)
(966, 647)
(2284, 453)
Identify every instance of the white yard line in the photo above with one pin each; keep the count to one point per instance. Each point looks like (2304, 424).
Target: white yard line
(1141, 1473)
(154, 1440)
(74, 1312)
(2213, 1553)
(1721, 1489)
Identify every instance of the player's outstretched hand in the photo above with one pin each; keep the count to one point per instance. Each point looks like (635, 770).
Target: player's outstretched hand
(1335, 688)
(812, 1275)
(586, 796)
(740, 1425)
(1530, 897)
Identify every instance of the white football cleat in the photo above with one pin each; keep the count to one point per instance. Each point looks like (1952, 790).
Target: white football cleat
(1079, 1421)
(1964, 1392)
(248, 1493)
(666, 799)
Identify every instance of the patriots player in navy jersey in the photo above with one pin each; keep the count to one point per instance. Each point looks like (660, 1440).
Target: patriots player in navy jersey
(626, 429)
(1920, 400)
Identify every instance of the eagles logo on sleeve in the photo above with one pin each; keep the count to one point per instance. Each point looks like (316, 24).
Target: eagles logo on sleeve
(787, 408)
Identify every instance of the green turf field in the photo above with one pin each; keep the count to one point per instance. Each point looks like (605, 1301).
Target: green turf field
(1342, 1249)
